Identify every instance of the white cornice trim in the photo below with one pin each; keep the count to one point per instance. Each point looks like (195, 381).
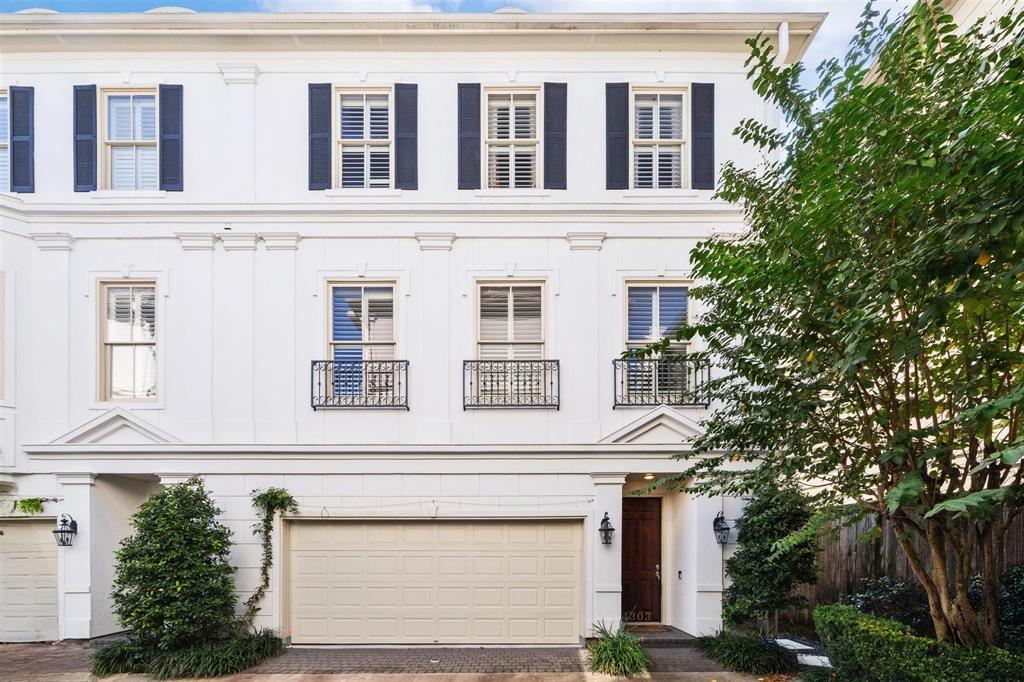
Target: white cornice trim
(435, 241)
(239, 74)
(196, 241)
(585, 241)
(53, 241)
(239, 241)
(280, 241)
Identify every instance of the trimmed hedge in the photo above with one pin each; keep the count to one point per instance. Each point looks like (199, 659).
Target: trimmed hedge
(869, 649)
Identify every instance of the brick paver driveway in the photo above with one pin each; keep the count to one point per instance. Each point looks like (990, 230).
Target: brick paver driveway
(43, 661)
(383, 660)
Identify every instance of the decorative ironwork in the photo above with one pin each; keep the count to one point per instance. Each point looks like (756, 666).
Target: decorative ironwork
(678, 381)
(360, 384)
(510, 383)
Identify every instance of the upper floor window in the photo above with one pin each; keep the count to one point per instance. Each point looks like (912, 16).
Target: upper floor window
(130, 140)
(128, 337)
(512, 139)
(511, 322)
(658, 139)
(654, 312)
(362, 322)
(5, 142)
(365, 139)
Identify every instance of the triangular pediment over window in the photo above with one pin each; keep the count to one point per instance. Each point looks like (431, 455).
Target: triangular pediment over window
(116, 426)
(661, 425)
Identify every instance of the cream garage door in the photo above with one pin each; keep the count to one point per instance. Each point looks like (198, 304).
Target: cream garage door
(28, 581)
(447, 582)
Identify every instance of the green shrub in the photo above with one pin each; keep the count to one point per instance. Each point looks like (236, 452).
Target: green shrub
(212, 659)
(747, 653)
(617, 653)
(1011, 607)
(174, 586)
(868, 649)
(899, 600)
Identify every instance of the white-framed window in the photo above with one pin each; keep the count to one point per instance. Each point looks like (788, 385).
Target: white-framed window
(510, 321)
(364, 138)
(128, 341)
(512, 138)
(655, 311)
(362, 321)
(129, 129)
(658, 138)
(5, 142)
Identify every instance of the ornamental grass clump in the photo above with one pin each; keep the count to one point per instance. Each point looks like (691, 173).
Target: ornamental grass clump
(747, 653)
(616, 653)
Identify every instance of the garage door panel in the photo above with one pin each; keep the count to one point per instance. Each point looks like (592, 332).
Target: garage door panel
(437, 582)
(28, 581)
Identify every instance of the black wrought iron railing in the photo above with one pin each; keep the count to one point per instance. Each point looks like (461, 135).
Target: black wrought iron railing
(510, 383)
(360, 383)
(676, 381)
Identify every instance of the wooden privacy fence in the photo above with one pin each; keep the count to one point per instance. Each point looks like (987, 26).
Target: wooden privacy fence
(845, 561)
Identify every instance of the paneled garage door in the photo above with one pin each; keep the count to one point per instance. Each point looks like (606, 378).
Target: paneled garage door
(28, 581)
(436, 582)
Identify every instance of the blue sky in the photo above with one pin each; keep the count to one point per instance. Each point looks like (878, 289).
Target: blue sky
(831, 41)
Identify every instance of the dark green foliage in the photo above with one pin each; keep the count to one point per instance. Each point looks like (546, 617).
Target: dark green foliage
(268, 504)
(743, 652)
(892, 598)
(818, 674)
(1011, 607)
(212, 659)
(863, 648)
(616, 653)
(174, 586)
(763, 580)
(867, 329)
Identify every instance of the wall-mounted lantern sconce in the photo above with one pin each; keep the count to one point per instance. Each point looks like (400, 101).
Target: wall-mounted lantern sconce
(606, 530)
(65, 531)
(721, 529)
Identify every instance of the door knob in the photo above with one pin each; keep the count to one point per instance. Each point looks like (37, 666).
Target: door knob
(657, 572)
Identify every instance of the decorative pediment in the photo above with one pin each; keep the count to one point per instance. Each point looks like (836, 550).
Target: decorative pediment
(116, 426)
(660, 425)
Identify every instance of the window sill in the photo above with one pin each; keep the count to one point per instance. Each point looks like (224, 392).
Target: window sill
(511, 193)
(127, 404)
(660, 194)
(127, 195)
(363, 193)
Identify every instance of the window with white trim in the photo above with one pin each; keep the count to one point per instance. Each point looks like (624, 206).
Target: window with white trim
(362, 321)
(131, 156)
(658, 139)
(5, 142)
(654, 312)
(512, 139)
(128, 339)
(511, 322)
(364, 139)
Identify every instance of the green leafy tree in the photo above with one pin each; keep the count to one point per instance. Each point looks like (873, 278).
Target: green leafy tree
(174, 586)
(763, 581)
(868, 328)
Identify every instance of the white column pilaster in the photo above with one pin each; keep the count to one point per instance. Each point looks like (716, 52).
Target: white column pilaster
(74, 563)
(607, 558)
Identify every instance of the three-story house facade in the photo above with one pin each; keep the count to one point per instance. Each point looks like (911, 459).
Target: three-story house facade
(388, 263)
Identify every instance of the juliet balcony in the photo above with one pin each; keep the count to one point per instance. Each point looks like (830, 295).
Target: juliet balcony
(510, 383)
(337, 384)
(680, 382)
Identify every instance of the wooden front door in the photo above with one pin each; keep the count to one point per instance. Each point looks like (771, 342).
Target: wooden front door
(641, 559)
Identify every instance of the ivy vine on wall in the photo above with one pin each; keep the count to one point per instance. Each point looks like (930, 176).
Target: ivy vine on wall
(268, 504)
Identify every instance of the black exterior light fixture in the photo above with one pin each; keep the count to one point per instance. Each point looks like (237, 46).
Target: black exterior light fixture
(65, 531)
(721, 529)
(606, 530)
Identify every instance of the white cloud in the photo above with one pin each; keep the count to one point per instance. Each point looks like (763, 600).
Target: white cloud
(349, 6)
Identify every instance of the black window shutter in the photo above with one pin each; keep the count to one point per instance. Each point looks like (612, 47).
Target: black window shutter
(616, 114)
(469, 136)
(85, 138)
(172, 141)
(22, 139)
(702, 161)
(406, 154)
(319, 135)
(554, 135)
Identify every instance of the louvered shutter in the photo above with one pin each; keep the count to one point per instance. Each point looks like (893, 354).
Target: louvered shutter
(703, 132)
(22, 143)
(406, 153)
(617, 135)
(640, 313)
(555, 128)
(319, 136)
(172, 141)
(672, 307)
(85, 138)
(469, 135)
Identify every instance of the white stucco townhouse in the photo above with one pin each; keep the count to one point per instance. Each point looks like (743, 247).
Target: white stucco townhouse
(387, 262)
